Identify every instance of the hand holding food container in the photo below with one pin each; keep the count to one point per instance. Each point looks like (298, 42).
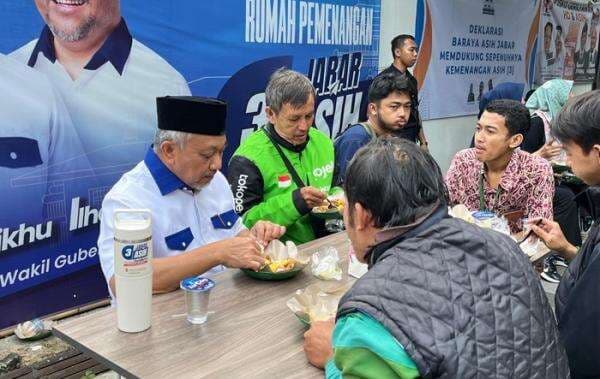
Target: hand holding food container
(282, 261)
(317, 302)
(312, 196)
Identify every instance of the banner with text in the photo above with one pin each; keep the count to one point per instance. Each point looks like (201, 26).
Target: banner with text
(469, 46)
(568, 40)
(68, 134)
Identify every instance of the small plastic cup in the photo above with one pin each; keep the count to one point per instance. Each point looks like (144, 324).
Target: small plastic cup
(484, 218)
(197, 293)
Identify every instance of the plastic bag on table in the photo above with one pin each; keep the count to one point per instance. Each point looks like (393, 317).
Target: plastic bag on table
(326, 264)
(317, 302)
(282, 257)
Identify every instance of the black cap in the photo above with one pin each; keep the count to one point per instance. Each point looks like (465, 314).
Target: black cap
(192, 114)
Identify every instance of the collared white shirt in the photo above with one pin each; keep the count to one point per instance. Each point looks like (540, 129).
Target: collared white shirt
(182, 219)
(40, 153)
(113, 101)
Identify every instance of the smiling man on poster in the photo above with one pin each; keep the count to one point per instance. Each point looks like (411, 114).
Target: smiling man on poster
(108, 79)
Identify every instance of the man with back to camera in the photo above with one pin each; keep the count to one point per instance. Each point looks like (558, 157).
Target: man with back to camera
(439, 292)
(388, 112)
(109, 80)
(194, 225)
(405, 52)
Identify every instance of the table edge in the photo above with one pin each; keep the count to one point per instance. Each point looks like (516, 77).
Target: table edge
(120, 370)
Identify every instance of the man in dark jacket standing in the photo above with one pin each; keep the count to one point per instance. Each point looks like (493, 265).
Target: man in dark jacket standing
(459, 301)
(405, 52)
(578, 295)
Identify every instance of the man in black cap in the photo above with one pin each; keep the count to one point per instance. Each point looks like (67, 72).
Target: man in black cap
(194, 226)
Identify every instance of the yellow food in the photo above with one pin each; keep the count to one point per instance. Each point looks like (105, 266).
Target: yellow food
(335, 204)
(280, 266)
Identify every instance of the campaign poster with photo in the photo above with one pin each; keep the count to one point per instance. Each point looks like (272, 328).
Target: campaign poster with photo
(567, 40)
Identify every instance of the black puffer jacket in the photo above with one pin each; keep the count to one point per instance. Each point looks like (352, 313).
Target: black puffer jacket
(463, 301)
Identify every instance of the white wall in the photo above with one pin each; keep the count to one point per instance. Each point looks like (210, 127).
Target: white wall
(446, 136)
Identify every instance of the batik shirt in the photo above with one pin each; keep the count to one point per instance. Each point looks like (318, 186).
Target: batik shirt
(527, 184)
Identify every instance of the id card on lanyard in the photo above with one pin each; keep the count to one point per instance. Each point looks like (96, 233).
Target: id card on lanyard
(482, 206)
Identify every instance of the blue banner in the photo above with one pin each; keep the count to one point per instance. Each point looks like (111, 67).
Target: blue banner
(68, 134)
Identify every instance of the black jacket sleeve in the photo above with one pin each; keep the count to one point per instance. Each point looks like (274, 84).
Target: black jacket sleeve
(246, 183)
(579, 323)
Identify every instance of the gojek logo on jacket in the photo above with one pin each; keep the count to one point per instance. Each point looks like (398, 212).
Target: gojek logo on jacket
(320, 172)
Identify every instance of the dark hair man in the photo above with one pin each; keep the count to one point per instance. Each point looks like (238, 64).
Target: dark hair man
(577, 305)
(438, 292)
(388, 111)
(405, 52)
(495, 175)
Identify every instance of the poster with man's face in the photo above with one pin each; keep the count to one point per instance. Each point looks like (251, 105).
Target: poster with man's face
(569, 41)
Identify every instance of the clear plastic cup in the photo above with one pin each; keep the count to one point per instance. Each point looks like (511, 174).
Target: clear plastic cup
(483, 218)
(197, 294)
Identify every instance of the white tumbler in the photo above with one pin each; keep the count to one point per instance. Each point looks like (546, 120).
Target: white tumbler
(133, 269)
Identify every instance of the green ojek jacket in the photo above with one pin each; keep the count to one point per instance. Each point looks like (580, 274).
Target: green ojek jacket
(264, 189)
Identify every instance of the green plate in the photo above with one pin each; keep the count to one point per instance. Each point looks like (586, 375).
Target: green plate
(266, 275)
(329, 215)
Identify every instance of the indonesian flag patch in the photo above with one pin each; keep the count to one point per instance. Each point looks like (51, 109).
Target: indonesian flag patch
(284, 181)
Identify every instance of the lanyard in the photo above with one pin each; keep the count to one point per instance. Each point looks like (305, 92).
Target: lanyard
(482, 206)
